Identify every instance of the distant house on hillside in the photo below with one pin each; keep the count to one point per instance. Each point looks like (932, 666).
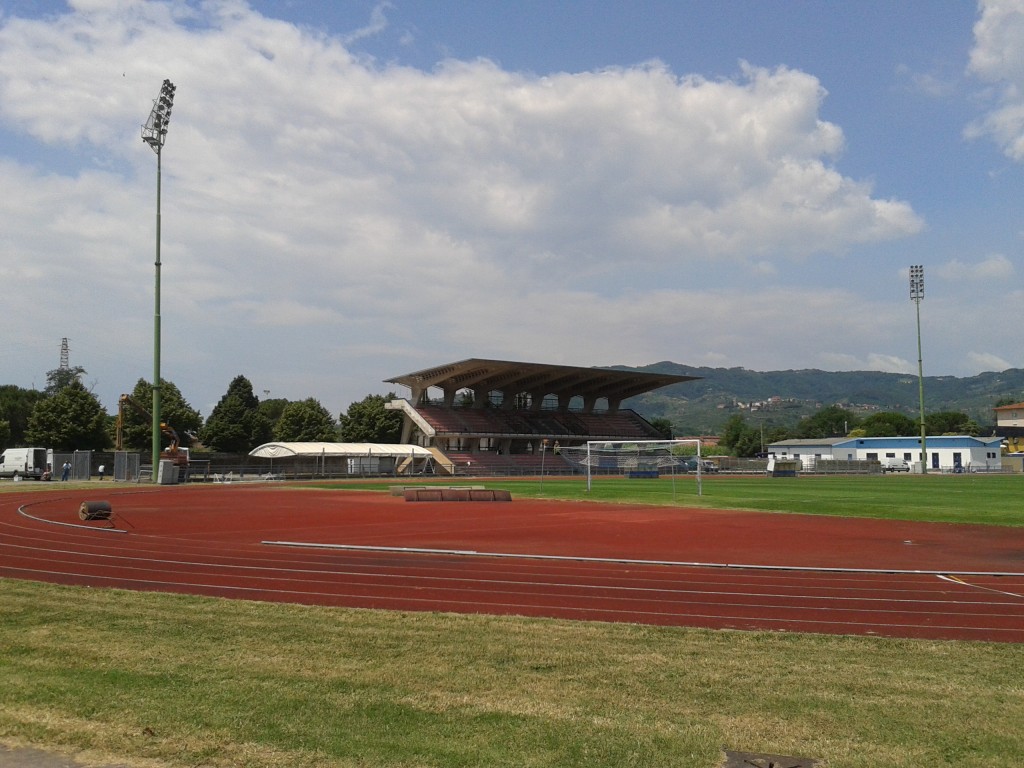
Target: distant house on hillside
(945, 452)
(1010, 426)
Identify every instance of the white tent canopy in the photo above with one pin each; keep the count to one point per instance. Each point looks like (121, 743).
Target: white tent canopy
(285, 450)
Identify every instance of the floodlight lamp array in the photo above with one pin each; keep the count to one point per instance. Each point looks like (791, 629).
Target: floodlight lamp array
(917, 282)
(154, 132)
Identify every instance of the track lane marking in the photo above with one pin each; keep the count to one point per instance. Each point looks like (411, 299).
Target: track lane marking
(749, 621)
(630, 561)
(956, 580)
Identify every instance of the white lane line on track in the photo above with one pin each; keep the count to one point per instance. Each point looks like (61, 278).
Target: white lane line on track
(746, 621)
(776, 579)
(629, 561)
(955, 580)
(23, 513)
(620, 592)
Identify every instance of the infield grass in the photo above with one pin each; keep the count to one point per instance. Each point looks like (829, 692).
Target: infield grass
(989, 499)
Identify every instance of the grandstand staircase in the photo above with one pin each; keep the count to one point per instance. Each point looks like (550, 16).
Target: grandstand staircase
(443, 464)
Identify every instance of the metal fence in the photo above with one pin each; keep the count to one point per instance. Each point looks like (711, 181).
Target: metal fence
(126, 467)
(80, 465)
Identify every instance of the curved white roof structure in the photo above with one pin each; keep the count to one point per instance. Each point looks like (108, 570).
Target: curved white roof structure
(284, 450)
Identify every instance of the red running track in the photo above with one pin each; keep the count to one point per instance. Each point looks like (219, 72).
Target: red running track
(651, 565)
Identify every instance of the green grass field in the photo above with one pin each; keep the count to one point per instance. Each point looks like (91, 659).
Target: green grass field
(988, 499)
(167, 680)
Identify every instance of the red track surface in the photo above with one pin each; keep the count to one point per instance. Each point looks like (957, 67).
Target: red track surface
(651, 565)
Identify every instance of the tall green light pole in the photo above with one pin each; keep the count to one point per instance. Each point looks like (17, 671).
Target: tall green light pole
(917, 296)
(154, 133)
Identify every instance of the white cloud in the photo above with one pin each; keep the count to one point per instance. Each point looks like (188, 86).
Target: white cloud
(998, 58)
(889, 364)
(378, 23)
(994, 268)
(872, 361)
(988, 362)
(317, 205)
(931, 84)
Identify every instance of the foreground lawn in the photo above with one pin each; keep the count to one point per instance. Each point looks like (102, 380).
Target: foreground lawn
(159, 679)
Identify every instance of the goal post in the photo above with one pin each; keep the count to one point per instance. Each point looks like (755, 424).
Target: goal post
(637, 458)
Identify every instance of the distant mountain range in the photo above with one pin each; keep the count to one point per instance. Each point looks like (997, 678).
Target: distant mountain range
(784, 397)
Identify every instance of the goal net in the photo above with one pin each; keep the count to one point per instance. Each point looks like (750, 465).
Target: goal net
(639, 459)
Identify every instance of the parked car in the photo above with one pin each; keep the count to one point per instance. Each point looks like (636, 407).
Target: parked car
(895, 465)
(706, 466)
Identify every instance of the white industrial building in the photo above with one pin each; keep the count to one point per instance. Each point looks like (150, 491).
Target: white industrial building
(944, 452)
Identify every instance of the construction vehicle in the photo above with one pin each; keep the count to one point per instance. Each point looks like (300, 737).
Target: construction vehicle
(173, 452)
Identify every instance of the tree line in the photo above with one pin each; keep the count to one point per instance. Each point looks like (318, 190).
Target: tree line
(66, 416)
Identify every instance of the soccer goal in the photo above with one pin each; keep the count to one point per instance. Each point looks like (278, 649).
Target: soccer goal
(641, 459)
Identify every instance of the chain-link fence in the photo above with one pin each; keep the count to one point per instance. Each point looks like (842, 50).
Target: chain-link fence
(78, 465)
(126, 467)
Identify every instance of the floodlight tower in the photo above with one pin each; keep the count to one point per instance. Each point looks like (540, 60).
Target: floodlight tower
(154, 132)
(917, 296)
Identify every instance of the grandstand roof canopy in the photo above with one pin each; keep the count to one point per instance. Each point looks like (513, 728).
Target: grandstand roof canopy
(285, 450)
(509, 376)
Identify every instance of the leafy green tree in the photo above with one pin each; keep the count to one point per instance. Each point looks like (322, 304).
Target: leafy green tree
(733, 432)
(59, 378)
(16, 405)
(175, 411)
(663, 426)
(236, 425)
(71, 420)
(742, 439)
(306, 421)
(950, 423)
(368, 422)
(5, 433)
(832, 421)
(749, 444)
(889, 424)
(272, 410)
(776, 433)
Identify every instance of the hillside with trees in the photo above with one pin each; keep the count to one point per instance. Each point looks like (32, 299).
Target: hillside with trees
(782, 398)
(747, 408)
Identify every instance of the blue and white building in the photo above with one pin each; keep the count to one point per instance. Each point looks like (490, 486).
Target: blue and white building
(944, 452)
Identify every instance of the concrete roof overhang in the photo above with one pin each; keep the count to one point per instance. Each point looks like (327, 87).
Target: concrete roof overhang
(507, 376)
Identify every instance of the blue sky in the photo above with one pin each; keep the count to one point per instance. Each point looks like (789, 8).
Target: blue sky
(353, 191)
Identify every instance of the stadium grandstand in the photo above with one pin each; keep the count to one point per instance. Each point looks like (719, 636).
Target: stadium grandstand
(503, 417)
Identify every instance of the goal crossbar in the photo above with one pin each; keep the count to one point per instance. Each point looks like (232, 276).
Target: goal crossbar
(634, 458)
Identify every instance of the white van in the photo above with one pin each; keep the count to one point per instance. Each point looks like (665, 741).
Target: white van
(895, 465)
(23, 463)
